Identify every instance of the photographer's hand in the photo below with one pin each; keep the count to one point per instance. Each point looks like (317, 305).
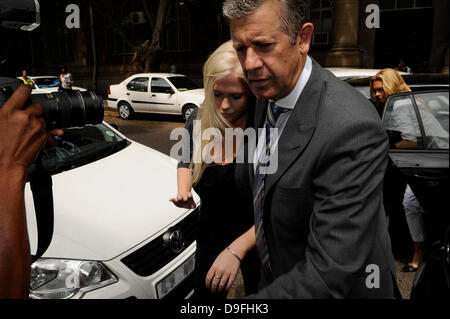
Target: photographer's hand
(22, 136)
(22, 132)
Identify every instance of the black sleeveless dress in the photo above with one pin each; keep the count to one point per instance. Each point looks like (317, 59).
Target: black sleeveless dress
(226, 212)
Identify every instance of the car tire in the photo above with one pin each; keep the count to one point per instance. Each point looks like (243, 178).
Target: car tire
(125, 110)
(187, 111)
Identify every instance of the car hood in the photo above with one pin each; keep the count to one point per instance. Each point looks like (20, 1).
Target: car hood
(109, 206)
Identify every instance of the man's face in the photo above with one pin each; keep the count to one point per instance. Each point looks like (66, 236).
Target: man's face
(379, 91)
(271, 65)
(24, 73)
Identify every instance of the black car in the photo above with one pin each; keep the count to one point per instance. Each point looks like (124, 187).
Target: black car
(423, 116)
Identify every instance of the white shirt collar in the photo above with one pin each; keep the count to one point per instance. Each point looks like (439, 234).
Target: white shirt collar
(291, 99)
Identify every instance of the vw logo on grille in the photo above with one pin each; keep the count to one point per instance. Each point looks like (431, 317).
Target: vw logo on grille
(173, 238)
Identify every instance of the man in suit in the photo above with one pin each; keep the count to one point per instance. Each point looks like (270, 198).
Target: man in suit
(319, 219)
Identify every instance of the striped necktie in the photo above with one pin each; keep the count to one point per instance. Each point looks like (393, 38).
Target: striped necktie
(273, 113)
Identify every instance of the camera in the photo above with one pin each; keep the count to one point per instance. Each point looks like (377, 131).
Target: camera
(64, 109)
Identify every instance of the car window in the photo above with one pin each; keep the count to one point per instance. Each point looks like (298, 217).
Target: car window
(433, 109)
(80, 146)
(183, 83)
(138, 84)
(46, 82)
(424, 127)
(160, 85)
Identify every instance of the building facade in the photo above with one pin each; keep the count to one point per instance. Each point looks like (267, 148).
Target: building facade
(105, 48)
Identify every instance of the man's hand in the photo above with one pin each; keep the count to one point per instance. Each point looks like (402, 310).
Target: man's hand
(22, 132)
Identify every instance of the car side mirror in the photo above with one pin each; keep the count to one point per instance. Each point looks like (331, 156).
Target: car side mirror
(169, 91)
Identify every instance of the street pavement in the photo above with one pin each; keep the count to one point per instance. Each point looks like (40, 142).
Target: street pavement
(153, 130)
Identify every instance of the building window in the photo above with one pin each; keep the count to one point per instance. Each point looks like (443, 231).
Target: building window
(127, 27)
(178, 38)
(405, 4)
(322, 18)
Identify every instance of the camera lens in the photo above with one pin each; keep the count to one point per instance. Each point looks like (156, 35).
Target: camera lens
(70, 108)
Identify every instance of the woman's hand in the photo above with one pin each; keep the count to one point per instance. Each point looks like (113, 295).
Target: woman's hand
(222, 273)
(184, 201)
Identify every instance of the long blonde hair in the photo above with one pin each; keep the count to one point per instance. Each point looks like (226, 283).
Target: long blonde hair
(222, 62)
(393, 83)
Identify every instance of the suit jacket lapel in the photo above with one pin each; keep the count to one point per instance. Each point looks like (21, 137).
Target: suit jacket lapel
(299, 127)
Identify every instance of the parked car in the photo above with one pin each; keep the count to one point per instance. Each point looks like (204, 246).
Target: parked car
(425, 169)
(116, 235)
(48, 84)
(344, 73)
(165, 93)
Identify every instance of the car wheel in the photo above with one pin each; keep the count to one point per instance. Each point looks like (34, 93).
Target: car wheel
(125, 110)
(187, 111)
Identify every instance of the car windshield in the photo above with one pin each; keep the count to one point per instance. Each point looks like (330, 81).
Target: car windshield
(183, 83)
(80, 146)
(47, 82)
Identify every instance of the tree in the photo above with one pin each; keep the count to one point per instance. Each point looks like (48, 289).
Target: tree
(149, 54)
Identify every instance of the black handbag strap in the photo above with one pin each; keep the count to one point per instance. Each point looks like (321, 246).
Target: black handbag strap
(41, 187)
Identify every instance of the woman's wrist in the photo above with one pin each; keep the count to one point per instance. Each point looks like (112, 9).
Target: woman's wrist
(235, 254)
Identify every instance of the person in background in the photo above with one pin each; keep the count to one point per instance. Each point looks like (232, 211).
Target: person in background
(403, 67)
(22, 136)
(382, 85)
(65, 79)
(226, 235)
(172, 66)
(25, 79)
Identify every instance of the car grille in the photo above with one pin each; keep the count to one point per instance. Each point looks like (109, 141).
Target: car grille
(153, 256)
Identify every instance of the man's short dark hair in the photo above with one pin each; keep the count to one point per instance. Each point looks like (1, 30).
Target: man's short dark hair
(294, 13)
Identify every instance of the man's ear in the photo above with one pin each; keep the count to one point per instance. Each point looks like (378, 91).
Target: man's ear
(304, 37)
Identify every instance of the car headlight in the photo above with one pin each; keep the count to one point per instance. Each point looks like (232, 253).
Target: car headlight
(58, 278)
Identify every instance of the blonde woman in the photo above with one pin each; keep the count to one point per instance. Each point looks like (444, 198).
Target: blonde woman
(384, 84)
(226, 235)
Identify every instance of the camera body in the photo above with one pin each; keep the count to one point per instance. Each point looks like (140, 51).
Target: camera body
(64, 109)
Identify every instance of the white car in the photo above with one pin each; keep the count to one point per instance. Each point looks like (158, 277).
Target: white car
(165, 93)
(116, 234)
(48, 84)
(344, 73)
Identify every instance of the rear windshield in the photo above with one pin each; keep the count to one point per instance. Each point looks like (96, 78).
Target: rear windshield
(183, 83)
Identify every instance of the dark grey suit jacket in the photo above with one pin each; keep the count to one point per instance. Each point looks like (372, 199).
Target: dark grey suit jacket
(324, 220)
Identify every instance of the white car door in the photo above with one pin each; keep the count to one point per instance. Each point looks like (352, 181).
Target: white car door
(163, 96)
(137, 91)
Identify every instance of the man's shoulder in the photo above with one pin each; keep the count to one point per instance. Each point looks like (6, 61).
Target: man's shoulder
(345, 99)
